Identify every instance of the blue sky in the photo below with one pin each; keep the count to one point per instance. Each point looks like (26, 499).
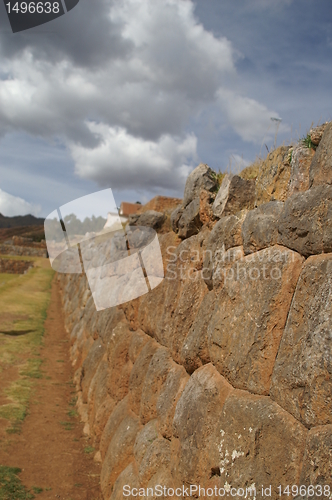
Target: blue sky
(133, 95)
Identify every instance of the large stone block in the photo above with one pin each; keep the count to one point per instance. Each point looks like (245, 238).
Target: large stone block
(321, 166)
(144, 438)
(101, 417)
(234, 195)
(302, 377)
(119, 454)
(250, 315)
(98, 390)
(121, 411)
(138, 341)
(195, 349)
(190, 222)
(316, 133)
(175, 217)
(184, 263)
(128, 477)
(224, 235)
(273, 177)
(305, 224)
(90, 365)
(159, 367)
(120, 365)
(107, 320)
(258, 444)
(260, 227)
(317, 462)
(157, 455)
(169, 395)
(200, 178)
(186, 310)
(196, 414)
(150, 218)
(138, 374)
(300, 165)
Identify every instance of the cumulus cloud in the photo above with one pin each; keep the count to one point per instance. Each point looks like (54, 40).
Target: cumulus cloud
(171, 68)
(13, 205)
(123, 99)
(249, 118)
(123, 160)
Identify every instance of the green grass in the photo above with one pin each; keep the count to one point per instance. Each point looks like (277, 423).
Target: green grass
(69, 426)
(306, 141)
(11, 487)
(72, 413)
(7, 278)
(218, 177)
(88, 450)
(24, 301)
(37, 490)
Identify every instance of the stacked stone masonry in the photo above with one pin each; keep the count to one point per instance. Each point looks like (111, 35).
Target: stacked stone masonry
(221, 376)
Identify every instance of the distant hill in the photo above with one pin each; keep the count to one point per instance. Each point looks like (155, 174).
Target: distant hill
(20, 221)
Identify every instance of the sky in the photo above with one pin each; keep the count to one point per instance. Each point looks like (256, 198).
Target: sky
(132, 95)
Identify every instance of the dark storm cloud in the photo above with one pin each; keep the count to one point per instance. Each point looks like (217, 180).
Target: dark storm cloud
(86, 36)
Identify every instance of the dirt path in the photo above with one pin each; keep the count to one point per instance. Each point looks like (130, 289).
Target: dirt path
(51, 449)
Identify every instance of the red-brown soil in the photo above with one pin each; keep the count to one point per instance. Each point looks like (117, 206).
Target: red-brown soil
(51, 449)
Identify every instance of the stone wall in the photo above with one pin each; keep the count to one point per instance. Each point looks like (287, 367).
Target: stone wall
(221, 376)
(22, 250)
(9, 266)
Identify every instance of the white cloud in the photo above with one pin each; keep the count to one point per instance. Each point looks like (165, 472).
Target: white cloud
(174, 67)
(13, 205)
(125, 118)
(249, 118)
(122, 160)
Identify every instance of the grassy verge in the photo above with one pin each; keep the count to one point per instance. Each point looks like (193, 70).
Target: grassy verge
(23, 304)
(11, 487)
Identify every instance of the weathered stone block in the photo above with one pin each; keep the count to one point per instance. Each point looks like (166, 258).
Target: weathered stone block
(138, 374)
(120, 365)
(273, 177)
(121, 411)
(195, 350)
(317, 462)
(150, 218)
(168, 397)
(250, 315)
(305, 224)
(194, 423)
(260, 227)
(138, 341)
(224, 235)
(128, 477)
(175, 217)
(200, 178)
(321, 166)
(90, 365)
(302, 377)
(300, 165)
(144, 438)
(119, 454)
(160, 364)
(316, 133)
(157, 455)
(259, 444)
(234, 195)
(184, 263)
(190, 222)
(187, 307)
